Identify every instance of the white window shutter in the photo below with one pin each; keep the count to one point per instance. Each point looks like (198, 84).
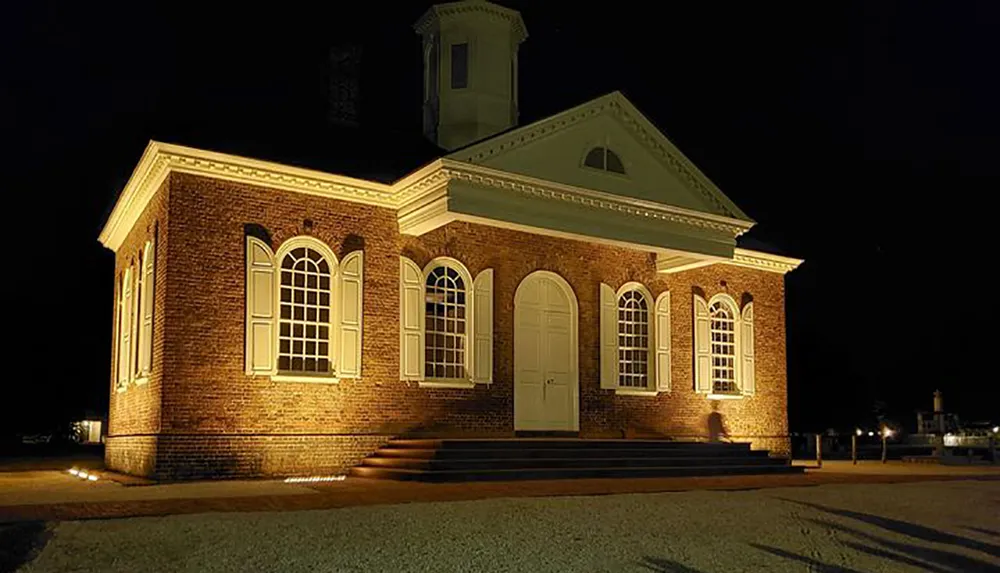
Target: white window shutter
(146, 337)
(482, 315)
(662, 337)
(746, 343)
(411, 320)
(260, 285)
(702, 347)
(609, 338)
(351, 315)
(125, 331)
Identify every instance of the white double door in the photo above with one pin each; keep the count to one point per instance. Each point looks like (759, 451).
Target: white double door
(546, 384)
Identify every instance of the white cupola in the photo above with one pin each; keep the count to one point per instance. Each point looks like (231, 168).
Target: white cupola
(470, 70)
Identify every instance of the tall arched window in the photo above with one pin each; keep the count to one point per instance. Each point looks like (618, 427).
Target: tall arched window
(304, 320)
(723, 351)
(446, 314)
(604, 159)
(633, 339)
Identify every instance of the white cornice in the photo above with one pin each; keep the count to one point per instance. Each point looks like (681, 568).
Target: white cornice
(161, 159)
(764, 261)
(450, 170)
(441, 11)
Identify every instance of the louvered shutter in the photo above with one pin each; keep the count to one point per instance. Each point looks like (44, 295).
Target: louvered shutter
(662, 336)
(351, 315)
(411, 321)
(125, 331)
(609, 338)
(260, 287)
(749, 384)
(702, 347)
(146, 338)
(482, 315)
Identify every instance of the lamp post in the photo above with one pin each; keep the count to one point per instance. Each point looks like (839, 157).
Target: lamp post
(886, 433)
(819, 450)
(854, 446)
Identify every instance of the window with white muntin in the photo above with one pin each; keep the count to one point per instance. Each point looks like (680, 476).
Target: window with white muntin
(304, 324)
(723, 332)
(304, 314)
(634, 336)
(446, 324)
(724, 347)
(635, 340)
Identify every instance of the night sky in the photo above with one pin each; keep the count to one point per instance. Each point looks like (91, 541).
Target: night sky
(863, 137)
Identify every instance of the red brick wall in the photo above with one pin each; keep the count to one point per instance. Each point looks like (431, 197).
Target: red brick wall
(134, 414)
(217, 421)
(681, 413)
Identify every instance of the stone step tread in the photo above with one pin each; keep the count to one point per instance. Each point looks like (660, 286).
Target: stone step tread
(567, 443)
(556, 453)
(564, 473)
(534, 463)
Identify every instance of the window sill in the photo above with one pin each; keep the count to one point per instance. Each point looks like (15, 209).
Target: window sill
(725, 396)
(331, 379)
(442, 383)
(630, 392)
(142, 380)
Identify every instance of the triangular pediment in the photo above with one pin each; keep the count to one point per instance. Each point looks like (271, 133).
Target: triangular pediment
(555, 149)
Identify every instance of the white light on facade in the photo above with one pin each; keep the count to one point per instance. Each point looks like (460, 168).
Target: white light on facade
(74, 471)
(859, 431)
(871, 434)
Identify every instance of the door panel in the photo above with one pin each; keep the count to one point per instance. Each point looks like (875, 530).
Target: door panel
(545, 379)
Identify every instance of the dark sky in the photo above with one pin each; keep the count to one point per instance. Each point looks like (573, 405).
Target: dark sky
(863, 137)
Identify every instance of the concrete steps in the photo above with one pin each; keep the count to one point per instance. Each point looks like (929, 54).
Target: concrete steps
(533, 458)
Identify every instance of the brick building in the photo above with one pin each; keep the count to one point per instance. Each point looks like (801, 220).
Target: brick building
(574, 275)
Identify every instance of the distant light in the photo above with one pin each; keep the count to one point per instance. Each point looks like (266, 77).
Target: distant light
(315, 479)
(871, 433)
(83, 474)
(887, 432)
(92, 477)
(74, 471)
(996, 429)
(859, 431)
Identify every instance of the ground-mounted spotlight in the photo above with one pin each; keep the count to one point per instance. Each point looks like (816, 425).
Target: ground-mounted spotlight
(315, 479)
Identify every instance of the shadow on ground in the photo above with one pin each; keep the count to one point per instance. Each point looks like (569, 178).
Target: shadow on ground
(21, 542)
(661, 565)
(903, 553)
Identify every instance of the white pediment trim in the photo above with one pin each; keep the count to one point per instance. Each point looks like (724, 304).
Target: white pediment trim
(414, 188)
(643, 130)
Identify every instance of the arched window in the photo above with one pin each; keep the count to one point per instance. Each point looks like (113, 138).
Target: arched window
(446, 314)
(723, 350)
(633, 339)
(305, 308)
(604, 159)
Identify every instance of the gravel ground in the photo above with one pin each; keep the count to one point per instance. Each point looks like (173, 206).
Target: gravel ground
(942, 527)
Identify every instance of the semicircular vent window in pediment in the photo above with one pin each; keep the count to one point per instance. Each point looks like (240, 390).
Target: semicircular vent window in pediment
(604, 159)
